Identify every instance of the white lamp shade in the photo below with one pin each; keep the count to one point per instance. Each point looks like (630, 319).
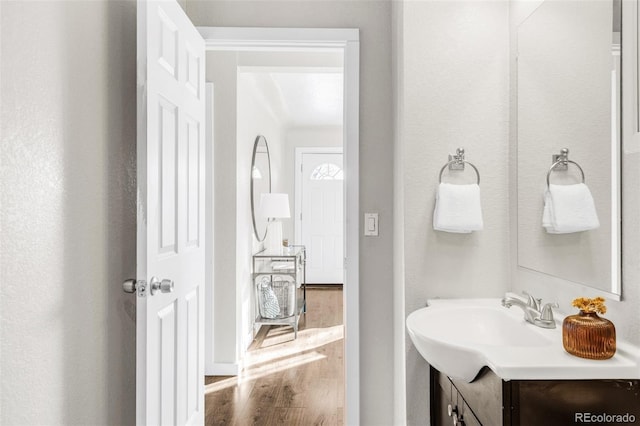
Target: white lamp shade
(274, 205)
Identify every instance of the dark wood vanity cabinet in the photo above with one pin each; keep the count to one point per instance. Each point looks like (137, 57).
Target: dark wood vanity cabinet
(491, 401)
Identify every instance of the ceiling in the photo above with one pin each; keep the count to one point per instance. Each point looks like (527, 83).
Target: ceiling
(300, 96)
(310, 98)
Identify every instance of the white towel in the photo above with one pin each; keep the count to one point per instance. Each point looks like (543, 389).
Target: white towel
(458, 208)
(546, 213)
(568, 209)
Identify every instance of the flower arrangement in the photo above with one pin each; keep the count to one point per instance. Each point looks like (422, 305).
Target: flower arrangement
(590, 305)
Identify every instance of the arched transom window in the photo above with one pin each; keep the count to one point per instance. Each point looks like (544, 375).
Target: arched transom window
(327, 171)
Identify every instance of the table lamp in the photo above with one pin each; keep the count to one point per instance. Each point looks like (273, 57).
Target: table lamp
(274, 206)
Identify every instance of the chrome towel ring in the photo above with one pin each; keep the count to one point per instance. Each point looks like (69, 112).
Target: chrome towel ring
(562, 159)
(457, 162)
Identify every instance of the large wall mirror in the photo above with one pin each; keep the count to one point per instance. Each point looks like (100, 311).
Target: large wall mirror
(260, 184)
(568, 96)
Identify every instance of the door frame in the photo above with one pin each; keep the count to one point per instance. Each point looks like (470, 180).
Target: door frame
(346, 41)
(297, 179)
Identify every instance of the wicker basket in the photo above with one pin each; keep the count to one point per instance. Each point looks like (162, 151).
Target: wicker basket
(281, 290)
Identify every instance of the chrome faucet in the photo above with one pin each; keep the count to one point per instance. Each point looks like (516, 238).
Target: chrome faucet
(532, 312)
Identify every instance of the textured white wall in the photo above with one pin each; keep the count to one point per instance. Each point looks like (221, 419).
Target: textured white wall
(376, 163)
(453, 91)
(68, 217)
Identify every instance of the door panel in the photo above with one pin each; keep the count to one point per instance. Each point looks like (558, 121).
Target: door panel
(194, 156)
(322, 223)
(171, 170)
(165, 348)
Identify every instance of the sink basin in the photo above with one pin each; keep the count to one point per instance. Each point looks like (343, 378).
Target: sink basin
(477, 325)
(461, 336)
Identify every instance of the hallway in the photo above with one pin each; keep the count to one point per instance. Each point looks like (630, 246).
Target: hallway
(285, 381)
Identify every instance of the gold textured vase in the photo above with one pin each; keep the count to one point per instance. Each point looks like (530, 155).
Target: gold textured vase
(589, 336)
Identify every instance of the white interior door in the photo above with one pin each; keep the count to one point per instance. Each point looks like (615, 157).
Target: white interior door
(170, 240)
(322, 222)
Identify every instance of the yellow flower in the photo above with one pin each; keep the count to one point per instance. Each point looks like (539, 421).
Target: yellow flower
(590, 305)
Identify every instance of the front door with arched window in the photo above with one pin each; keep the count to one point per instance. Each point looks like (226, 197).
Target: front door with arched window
(322, 216)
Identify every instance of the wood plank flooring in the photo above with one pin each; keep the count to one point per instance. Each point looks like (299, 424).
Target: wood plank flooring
(286, 381)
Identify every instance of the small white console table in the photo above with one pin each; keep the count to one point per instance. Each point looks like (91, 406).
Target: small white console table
(288, 262)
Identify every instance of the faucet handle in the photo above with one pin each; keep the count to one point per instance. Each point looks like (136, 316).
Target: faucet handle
(547, 313)
(532, 302)
(545, 320)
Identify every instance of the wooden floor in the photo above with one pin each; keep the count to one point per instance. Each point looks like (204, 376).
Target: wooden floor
(286, 381)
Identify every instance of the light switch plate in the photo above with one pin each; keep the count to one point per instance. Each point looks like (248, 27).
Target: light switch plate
(371, 224)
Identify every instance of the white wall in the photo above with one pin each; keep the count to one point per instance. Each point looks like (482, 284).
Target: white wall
(255, 117)
(376, 163)
(68, 216)
(453, 92)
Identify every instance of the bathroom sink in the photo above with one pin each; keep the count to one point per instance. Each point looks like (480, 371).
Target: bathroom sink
(461, 336)
(478, 325)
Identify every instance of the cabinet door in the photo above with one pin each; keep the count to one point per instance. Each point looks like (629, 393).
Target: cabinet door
(485, 395)
(444, 396)
(565, 402)
(467, 418)
(447, 400)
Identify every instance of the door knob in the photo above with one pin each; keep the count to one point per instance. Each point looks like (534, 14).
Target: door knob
(140, 287)
(164, 286)
(129, 286)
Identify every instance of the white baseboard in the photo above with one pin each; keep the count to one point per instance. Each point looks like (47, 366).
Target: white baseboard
(222, 369)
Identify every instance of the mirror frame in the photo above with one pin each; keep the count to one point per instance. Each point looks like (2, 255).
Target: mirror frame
(254, 208)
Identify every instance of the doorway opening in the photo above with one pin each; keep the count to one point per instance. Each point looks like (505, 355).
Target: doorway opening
(271, 41)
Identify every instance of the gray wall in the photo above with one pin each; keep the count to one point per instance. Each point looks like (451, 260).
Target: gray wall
(376, 164)
(221, 66)
(399, 342)
(68, 216)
